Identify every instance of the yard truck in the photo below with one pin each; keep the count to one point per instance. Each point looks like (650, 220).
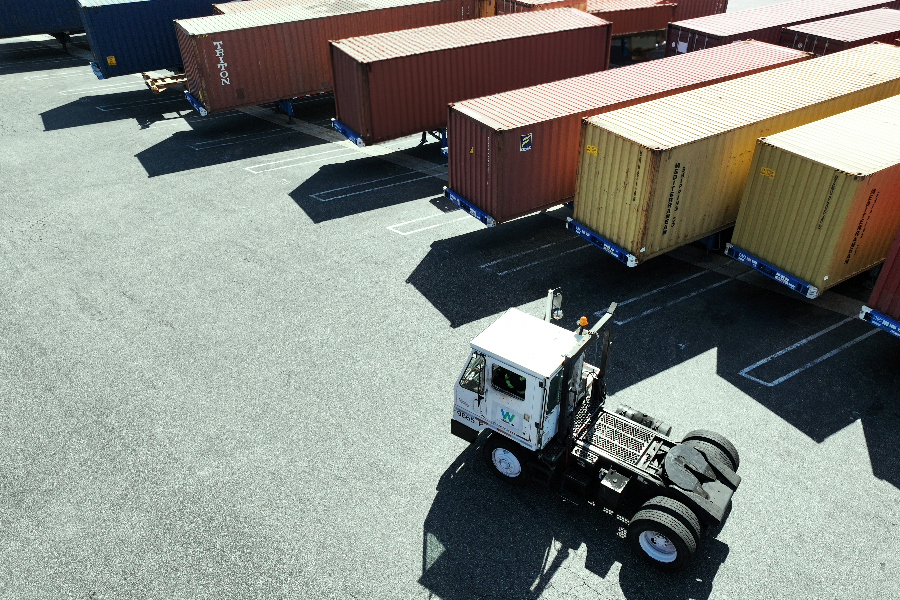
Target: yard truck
(543, 408)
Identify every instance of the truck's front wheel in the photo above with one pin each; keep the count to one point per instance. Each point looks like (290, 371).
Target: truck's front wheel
(506, 460)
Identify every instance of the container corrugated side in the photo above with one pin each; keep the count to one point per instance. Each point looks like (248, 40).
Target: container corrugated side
(692, 9)
(226, 8)
(886, 295)
(822, 202)
(132, 36)
(671, 171)
(32, 17)
(506, 7)
(254, 57)
(763, 24)
(633, 16)
(847, 31)
(489, 169)
(379, 80)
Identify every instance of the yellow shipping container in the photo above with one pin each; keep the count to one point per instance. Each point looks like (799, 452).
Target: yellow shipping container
(667, 172)
(822, 202)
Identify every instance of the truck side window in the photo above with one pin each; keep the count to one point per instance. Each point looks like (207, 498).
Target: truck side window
(553, 394)
(508, 382)
(473, 377)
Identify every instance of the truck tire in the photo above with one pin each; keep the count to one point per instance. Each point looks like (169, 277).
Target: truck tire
(661, 540)
(718, 440)
(506, 459)
(678, 510)
(711, 451)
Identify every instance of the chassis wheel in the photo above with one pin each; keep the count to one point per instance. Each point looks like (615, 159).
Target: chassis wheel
(506, 459)
(679, 511)
(661, 539)
(719, 441)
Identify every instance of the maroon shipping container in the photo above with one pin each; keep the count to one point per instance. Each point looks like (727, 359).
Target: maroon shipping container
(226, 8)
(395, 84)
(761, 24)
(252, 57)
(691, 9)
(506, 7)
(847, 31)
(886, 295)
(515, 153)
(633, 16)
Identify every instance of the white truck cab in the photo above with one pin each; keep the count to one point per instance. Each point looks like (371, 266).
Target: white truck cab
(513, 382)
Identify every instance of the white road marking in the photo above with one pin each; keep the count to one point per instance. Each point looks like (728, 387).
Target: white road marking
(44, 60)
(511, 256)
(238, 139)
(543, 260)
(101, 88)
(670, 303)
(80, 73)
(745, 372)
(136, 104)
(257, 169)
(665, 287)
(367, 190)
(395, 228)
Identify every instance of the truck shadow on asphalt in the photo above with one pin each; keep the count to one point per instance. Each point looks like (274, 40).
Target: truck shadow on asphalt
(485, 539)
(35, 57)
(671, 312)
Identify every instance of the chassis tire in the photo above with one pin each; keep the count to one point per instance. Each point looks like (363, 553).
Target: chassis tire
(661, 540)
(678, 510)
(506, 459)
(711, 451)
(719, 441)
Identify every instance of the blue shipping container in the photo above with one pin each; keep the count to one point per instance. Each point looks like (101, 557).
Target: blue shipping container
(133, 36)
(31, 17)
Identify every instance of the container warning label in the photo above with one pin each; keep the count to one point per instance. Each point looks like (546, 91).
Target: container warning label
(592, 150)
(525, 144)
(111, 61)
(767, 172)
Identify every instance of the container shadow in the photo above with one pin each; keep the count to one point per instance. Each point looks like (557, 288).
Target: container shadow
(137, 103)
(485, 539)
(358, 185)
(671, 312)
(34, 57)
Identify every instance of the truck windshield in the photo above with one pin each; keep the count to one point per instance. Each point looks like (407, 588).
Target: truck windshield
(473, 376)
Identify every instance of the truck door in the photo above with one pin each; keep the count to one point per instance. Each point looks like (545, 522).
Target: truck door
(470, 391)
(513, 403)
(550, 412)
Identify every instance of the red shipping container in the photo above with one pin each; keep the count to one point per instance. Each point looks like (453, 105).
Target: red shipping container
(515, 153)
(505, 7)
(847, 31)
(761, 24)
(395, 84)
(633, 16)
(885, 300)
(226, 8)
(691, 9)
(258, 56)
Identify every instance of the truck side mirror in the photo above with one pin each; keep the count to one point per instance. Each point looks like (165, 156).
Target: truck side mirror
(553, 309)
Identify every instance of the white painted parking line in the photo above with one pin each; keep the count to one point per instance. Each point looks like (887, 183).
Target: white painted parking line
(318, 196)
(745, 372)
(397, 227)
(543, 260)
(288, 163)
(238, 139)
(101, 88)
(659, 289)
(136, 104)
(42, 61)
(512, 256)
(192, 117)
(46, 76)
(670, 303)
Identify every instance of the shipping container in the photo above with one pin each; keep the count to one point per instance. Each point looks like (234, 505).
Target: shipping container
(763, 24)
(395, 84)
(822, 202)
(134, 36)
(515, 153)
(32, 17)
(225, 8)
(847, 31)
(883, 308)
(505, 7)
(692, 9)
(671, 171)
(633, 16)
(247, 58)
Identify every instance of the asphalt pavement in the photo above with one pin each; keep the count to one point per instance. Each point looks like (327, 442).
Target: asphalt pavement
(228, 347)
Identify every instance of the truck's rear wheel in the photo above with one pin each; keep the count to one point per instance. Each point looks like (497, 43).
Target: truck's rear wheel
(719, 441)
(661, 539)
(506, 459)
(679, 510)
